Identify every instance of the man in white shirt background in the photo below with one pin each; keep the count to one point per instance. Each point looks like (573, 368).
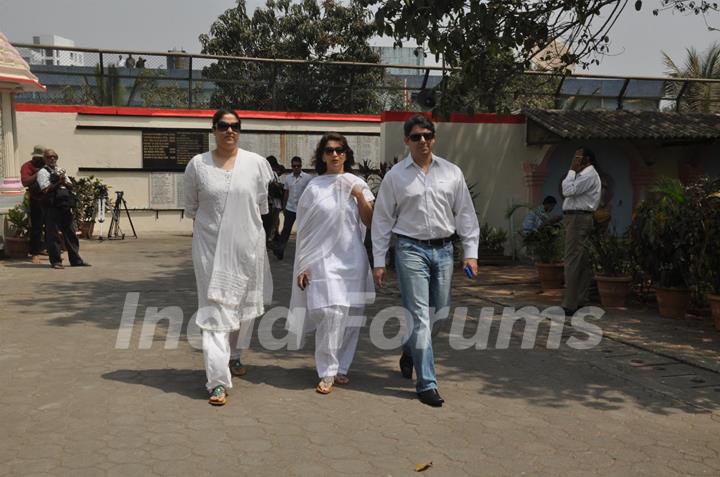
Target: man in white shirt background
(424, 200)
(581, 189)
(294, 185)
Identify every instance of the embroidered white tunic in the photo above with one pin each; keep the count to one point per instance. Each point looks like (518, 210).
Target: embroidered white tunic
(228, 247)
(330, 246)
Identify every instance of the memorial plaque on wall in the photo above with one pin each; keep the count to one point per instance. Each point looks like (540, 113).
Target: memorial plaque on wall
(163, 190)
(172, 149)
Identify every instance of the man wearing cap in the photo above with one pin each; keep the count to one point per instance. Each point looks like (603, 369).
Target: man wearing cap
(28, 176)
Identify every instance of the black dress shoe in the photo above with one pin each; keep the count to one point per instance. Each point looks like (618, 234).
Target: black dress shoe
(279, 252)
(406, 366)
(81, 264)
(431, 397)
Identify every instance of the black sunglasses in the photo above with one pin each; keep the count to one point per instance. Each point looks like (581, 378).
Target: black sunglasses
(339, 150)
(295, 165)
(223, 126)
(427, 136)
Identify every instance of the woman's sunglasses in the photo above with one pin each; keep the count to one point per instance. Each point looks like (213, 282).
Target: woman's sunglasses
(427, 136)
(223, 126)
(339, 150)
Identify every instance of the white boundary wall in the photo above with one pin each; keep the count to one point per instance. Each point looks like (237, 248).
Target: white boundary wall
(491, 152)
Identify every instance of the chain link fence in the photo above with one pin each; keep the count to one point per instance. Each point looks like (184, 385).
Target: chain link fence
(179, 80)
(176, 79)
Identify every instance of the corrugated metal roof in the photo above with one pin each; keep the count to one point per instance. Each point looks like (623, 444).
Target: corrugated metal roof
(623, 124)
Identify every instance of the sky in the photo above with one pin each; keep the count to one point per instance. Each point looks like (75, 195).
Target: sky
(160, 25)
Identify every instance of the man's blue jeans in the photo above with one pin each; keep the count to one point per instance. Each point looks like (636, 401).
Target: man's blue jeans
(425, 275)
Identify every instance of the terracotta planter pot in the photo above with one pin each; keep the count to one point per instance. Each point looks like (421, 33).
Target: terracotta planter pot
(551, 275)
(672, 302)
(17, 247)
(86, 230)
(714, 301)
(613, 291)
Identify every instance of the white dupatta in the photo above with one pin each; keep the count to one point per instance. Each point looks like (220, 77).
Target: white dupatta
(317, 234)
(241, 231)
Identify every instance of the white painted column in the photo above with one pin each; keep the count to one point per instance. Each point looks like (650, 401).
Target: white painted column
(9, 164)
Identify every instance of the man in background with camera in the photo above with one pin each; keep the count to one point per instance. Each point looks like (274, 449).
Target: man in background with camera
(58, 202)
(28, 176)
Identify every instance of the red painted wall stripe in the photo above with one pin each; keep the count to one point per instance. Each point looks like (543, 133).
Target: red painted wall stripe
(480, 118)
(191, 113)
(387, 116)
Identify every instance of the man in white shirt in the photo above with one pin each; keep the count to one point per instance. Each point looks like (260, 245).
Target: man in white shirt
(58, 203)
(424, 200)
(581, 189)
(294, 185)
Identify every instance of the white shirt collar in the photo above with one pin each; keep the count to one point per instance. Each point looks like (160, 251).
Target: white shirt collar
(409, 161)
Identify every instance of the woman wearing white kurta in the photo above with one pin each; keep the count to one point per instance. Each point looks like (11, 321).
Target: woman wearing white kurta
(225, 194)
(332, 274)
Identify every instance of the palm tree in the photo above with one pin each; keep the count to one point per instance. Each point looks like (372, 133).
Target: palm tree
(696, 97)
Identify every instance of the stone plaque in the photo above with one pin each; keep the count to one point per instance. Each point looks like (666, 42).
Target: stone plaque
(163, 193)
(172, 149)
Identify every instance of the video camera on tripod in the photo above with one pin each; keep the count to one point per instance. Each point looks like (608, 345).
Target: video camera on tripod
(115, 232)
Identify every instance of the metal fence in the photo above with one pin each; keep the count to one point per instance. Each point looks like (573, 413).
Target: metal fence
(176, 79)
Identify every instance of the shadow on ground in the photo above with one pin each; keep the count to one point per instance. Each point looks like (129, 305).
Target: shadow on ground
(161, 271)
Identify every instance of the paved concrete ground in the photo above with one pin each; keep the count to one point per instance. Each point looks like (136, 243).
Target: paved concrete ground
(74, 404)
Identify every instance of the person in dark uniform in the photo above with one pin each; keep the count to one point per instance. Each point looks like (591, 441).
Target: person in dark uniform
(28, 176)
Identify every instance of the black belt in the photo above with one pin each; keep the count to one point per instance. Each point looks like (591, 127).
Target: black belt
(432, 242)
(577, 212)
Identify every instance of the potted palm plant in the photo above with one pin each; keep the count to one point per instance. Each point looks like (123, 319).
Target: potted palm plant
(491, 246)
(662, 245)
(546, 247)
(17, 226)
(612, 264)
(705, 203)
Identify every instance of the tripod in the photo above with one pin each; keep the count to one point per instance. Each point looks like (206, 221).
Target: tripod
(114, 231)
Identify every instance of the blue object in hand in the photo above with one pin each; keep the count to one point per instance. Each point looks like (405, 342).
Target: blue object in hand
(468, 271)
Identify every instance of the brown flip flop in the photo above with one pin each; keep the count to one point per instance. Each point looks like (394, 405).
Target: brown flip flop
(325, 386)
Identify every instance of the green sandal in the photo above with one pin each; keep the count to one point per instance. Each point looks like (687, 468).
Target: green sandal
(218, 397)
(237, 368)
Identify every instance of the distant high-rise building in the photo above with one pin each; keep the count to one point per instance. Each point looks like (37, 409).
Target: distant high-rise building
(51, 56)
(177, 62)
(390, 55)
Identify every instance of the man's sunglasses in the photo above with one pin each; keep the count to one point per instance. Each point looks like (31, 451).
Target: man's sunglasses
(295, 166)
(51, 157)
(339, 150)
(427, 136)
(223, 126)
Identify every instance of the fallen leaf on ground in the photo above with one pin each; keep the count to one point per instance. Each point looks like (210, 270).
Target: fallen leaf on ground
(423, 467)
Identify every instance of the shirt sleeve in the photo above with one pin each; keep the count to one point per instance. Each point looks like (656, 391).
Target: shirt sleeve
(266, 176)
(43, 179)
(466, 221)
(190, 190)
(384, 218)
(530, 223)
(576, 184)
(25, 172)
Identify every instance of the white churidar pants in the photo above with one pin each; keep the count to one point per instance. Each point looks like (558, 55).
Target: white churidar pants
(219, 347)
(336, 338)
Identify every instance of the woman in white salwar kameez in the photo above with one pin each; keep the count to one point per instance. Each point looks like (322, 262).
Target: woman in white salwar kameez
(332, 277)
(226, 193)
